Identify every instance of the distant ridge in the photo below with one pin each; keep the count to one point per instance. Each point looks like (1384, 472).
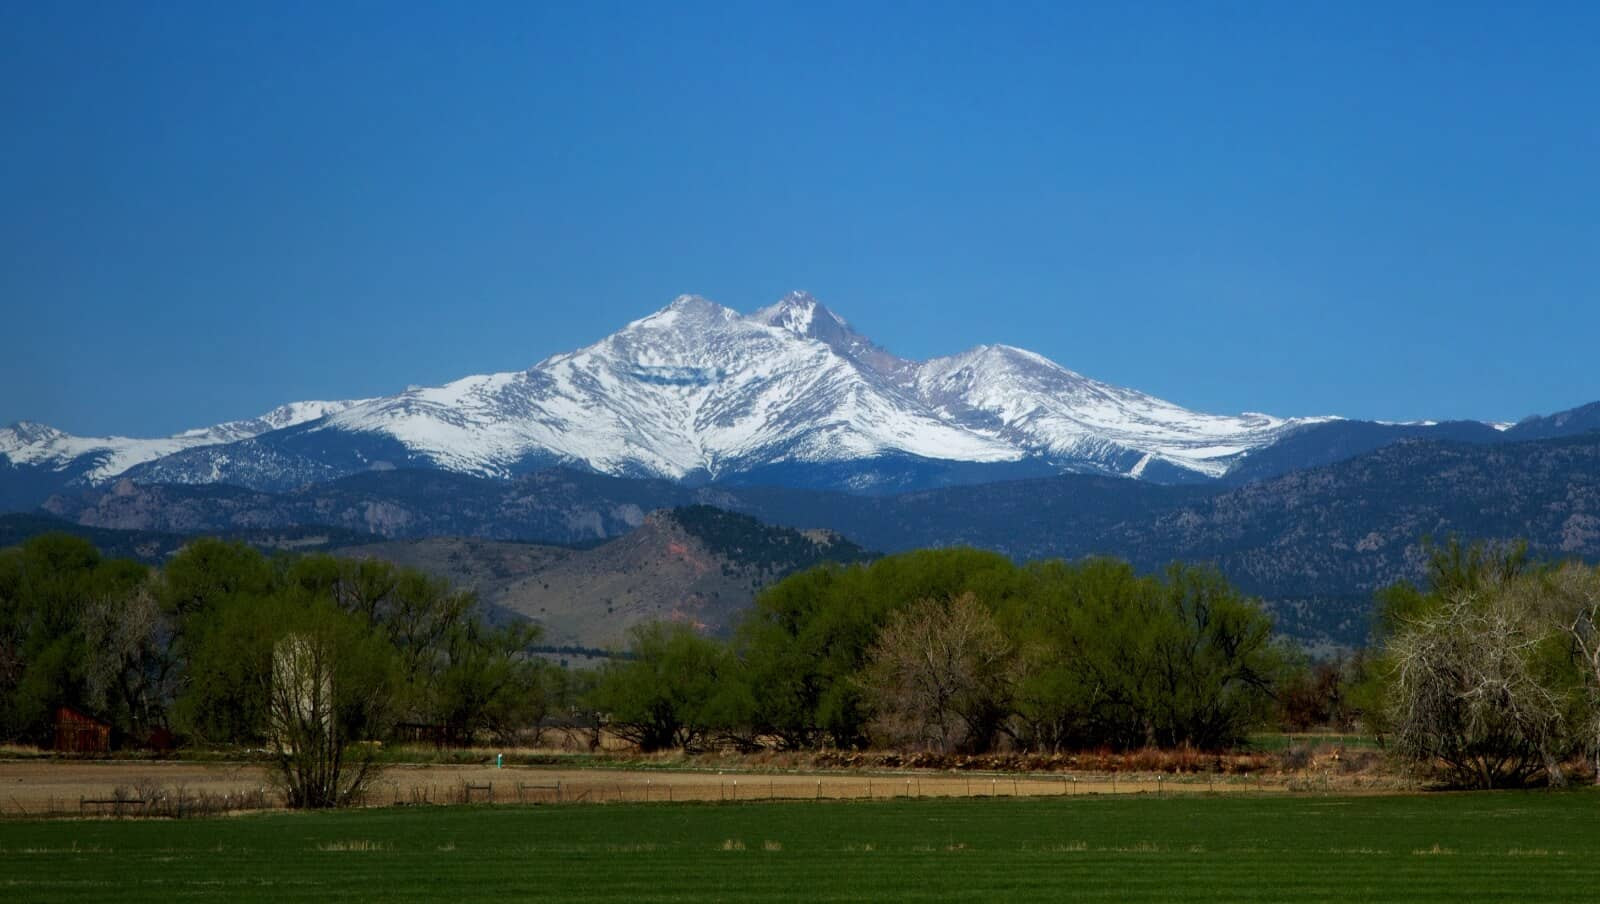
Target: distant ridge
(697, 565)
(1315, 543)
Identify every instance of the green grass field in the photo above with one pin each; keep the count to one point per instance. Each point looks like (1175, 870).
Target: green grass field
(1480, 847)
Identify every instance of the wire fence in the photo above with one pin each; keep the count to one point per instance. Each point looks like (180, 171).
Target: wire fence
(430, 786)
(599, 788)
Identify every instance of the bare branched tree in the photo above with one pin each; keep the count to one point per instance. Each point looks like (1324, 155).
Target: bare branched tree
(937, 677)
(1574, 594)
(1467, 695)
(329, 687)
(129, 671)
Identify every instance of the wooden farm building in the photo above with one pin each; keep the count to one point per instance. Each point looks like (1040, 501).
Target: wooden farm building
(79, 732)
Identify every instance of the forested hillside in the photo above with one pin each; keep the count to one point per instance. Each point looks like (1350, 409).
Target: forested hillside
(1314, 544)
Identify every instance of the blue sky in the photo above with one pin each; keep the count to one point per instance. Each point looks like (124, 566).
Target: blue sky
(208, 210)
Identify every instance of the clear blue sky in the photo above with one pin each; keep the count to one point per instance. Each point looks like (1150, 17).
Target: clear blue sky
(1285, 207)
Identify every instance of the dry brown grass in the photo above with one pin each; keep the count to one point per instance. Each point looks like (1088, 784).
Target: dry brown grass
(52, 787)
(359, 845)
(1181, 761)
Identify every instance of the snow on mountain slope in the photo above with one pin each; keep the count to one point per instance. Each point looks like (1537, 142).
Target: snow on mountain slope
(698, 391)
(37, 444)
(694, 388)
(1032, 402)
(804, 316)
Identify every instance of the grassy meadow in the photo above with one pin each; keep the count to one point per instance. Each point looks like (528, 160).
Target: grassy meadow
(1500, 846)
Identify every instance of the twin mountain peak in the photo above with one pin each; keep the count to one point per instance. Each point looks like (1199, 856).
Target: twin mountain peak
(790, 394)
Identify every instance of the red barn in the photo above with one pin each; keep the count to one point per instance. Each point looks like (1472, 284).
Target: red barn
(79, 732)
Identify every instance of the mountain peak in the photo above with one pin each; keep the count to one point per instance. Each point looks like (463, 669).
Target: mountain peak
(699, 305)
(25, 432)
(688, 309)
(801, 313)
(697, 391)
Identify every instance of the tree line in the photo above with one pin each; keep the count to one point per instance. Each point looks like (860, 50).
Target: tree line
(1485, 674)
(301, 656)
(951, 649)
(960, 650)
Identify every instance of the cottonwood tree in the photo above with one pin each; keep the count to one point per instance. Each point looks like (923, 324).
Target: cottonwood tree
(1112, 658)
(1573, 592)
(1473, 692)
(938, 675)
(330, 685)
(129, 670)
(807, 638)
(487, 682)
(677, 689)
(48, 587)
(1212, 661)
(1084, 662)
(457, 673)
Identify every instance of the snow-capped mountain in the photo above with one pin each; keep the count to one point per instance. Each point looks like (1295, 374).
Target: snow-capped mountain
(694, 388)
(1037, 404)
(697, 391)
(99, 458)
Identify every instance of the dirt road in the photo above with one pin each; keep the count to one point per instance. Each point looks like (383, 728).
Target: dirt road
(34, 787)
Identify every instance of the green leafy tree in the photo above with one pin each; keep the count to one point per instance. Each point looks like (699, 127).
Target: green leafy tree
(49, 588)
(674, 691)
(488, 682)
(458, 674)
(807, 637)
(1213, 662)
(1083, 634)
(1110, 658)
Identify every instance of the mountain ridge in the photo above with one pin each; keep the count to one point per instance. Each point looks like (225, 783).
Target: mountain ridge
(695, 392)
(1314, 543)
